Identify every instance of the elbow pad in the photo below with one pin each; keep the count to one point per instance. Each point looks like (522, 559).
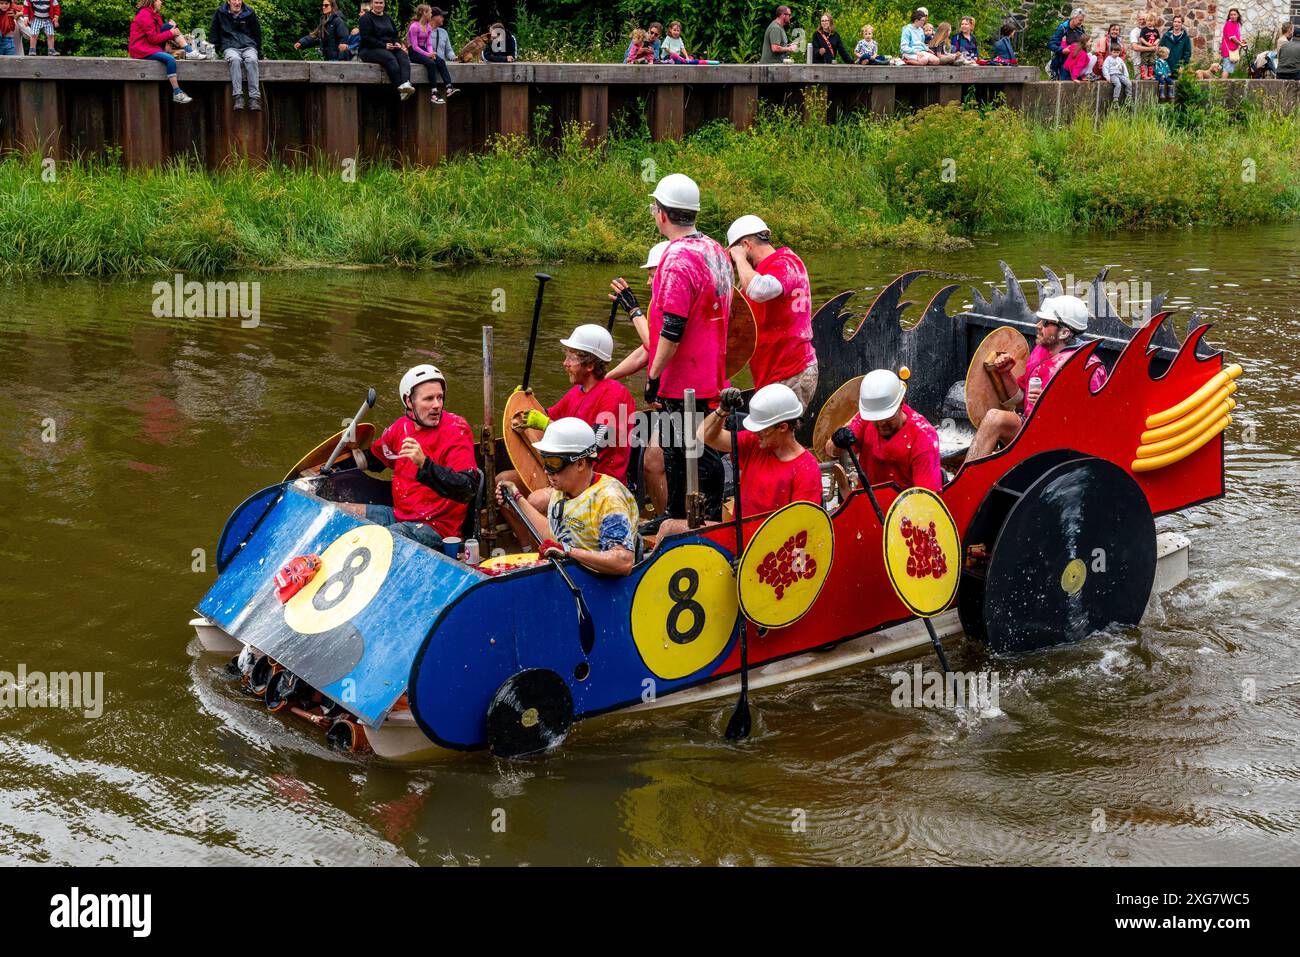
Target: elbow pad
(674, 327)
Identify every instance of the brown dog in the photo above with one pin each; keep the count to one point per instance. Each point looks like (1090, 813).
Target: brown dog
(472, 52)
(1211, 74)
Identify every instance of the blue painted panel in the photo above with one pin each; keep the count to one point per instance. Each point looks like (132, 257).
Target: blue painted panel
(242, 520)
(363, 662)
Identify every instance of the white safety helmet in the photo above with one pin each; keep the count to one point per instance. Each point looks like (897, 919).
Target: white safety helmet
(880, 395)
(1070, 310)
(678, 191)
(568, 436)
(745, 226)
(591, 338)
(655, 256)
(414, 376)
(772, 405)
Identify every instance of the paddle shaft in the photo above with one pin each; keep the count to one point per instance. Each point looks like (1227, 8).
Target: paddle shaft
(738, 726)
(875, 504)
(350, 433)
(613, 315)
(542, 280)
(584, 614)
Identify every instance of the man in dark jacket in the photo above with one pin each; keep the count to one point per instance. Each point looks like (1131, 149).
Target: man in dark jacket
(237, 33)
(502, 47)
(1179, 44)
(1058, 44)
(330, 35)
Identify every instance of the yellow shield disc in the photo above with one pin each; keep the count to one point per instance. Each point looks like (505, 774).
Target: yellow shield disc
(684, 610)
(351, 572)
(836, 411)
(785, 565)
(922, 551)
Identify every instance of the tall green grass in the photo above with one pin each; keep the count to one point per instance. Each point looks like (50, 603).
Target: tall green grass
(930, 180)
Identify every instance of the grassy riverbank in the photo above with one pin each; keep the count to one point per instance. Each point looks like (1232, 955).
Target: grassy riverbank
(931, 180)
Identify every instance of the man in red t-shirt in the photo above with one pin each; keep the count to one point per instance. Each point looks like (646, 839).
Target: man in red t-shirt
(690, 302)
(896, 443)
(431, 452)
(775, 283)
(1061, 319)
(601, 402)
(775, 469)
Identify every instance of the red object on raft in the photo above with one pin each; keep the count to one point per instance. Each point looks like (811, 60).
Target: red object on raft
(291, 579)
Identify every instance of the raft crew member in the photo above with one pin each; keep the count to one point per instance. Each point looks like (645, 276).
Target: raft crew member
(775, 282)
(652, 462)
(690, 303)
(431, 452)
(1060, 321)
(895, 442)
(595, 399)
(775, 469)
(590, 517)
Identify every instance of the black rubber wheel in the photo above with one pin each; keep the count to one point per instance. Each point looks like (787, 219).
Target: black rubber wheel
(530, 713)
(1076, 553)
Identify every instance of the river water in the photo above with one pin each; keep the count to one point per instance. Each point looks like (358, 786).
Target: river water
(128, 437)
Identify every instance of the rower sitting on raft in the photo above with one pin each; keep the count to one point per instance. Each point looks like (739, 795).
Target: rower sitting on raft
(896, 442)
(590, 516)
(1061, 320)
(601, 402)
(431, 452)
(775, 469)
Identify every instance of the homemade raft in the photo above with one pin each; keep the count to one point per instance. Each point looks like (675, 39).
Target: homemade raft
(396, 648)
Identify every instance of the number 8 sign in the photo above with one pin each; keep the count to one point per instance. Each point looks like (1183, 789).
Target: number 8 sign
(684, 610)
(352, 570)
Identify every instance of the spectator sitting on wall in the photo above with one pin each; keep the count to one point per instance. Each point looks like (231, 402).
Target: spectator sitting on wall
(147, 37)
(776, 45)
(964, 43)
(827, 43)
(1078, 35)
(1003, 51)
(430, 47)
(330, 35)
(654, 35)
(940, 44)
(911, 44)
(354, 37)
(502, 47)
(237, 35)
(1115, 71)
(1288, 57)
(380, 45)
(1179, 43)
(1076, 62)
(639, 50)
(1101, 48)
(1058, 45)
(867, 50)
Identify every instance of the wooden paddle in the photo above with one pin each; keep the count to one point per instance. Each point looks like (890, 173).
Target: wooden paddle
(739, 725)
(542, 280)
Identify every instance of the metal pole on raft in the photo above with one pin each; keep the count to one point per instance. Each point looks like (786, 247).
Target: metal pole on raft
(694, 500)
(488, 533)
(738, 726)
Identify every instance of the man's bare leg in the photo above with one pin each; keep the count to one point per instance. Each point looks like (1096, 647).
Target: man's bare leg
(997, 426)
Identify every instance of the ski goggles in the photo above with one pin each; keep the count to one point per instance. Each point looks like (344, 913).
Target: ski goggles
(555, 462)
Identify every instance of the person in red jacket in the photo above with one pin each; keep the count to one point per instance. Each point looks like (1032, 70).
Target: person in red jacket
(895, 443)
(431, 452)
(775, 283)
(148, 36)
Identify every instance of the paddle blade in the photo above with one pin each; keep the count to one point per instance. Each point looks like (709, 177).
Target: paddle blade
(739, 725)
(586, 628)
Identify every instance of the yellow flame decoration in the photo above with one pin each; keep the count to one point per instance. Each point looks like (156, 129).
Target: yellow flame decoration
(1194, 400)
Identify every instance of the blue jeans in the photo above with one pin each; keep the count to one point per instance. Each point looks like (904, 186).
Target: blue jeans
(6, 46)
(416, 531)
(166, 59)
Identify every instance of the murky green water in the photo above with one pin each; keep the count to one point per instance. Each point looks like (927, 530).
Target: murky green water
(1175, 745)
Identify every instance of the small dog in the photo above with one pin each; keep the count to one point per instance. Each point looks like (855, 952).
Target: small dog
(472, 52)
(1211, 74)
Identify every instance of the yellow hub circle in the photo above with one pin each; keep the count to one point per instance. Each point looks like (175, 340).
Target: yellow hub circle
(1075, 574)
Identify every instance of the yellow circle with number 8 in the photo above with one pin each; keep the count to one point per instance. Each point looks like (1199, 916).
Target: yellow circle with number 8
(352, 570)
(684, 610)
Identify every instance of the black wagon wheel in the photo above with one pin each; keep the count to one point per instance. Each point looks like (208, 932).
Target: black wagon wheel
(1076, 553)
(530, 713)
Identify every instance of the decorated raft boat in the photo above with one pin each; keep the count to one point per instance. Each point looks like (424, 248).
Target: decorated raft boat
(399, 649)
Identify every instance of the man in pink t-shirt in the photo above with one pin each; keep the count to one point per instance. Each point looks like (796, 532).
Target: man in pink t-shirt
(690, 303)
(895, 442)
(1060, 321)
(775, 283)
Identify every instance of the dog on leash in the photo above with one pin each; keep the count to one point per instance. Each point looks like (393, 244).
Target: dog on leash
(472, 52)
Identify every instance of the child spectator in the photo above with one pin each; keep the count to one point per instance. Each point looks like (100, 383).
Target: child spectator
(912, 46)
(867, 50)
(330, 35)
(1164, 76)
(1004, 53)
(146, 40)
(1115, 69)
(423, 40)
(8, 27)
(672, 49)
(354, 37)
(639, 50)
(1076, 34)
(42, 17)
(1076, 62)
(1147, 58)
(940, 45)
(502, 47)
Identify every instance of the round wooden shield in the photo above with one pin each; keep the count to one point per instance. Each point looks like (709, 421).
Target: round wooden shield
(838, 410)
(785, 565)
(742, 333)
(519, 444)
(981, 393)
(922, 551)
(314, 459)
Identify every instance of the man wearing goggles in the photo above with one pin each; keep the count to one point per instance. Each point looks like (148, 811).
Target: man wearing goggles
(591, 517)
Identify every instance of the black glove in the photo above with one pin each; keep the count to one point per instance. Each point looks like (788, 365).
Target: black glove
(627, 300)
(731, 401)
(844, 438)
(651, 391)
